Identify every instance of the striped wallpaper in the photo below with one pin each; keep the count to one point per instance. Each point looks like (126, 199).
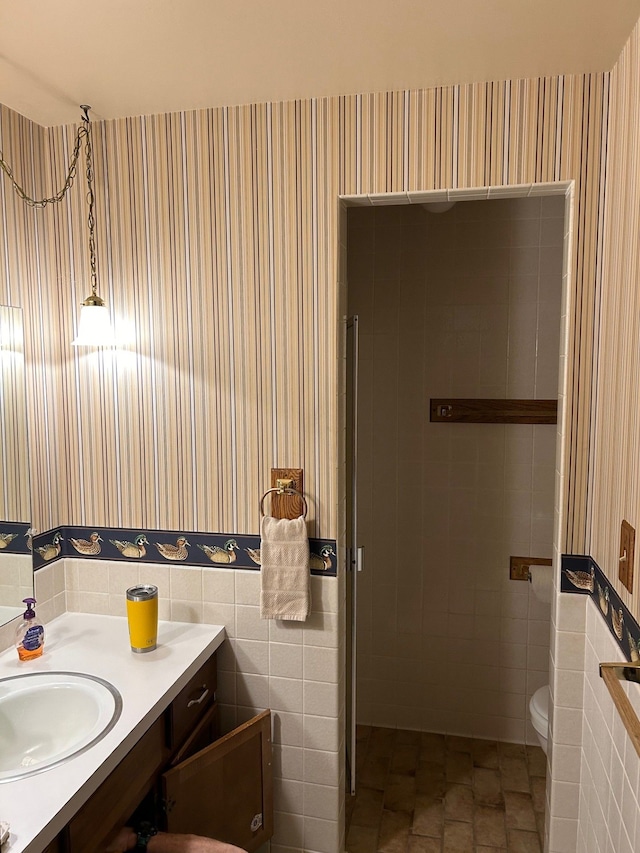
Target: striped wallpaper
(616, 470)
(14, 486)
(217, 241)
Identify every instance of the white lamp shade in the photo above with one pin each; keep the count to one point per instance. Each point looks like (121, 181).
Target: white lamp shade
(94, 327)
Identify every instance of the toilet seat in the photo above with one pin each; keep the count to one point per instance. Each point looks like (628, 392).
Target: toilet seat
(539, 708)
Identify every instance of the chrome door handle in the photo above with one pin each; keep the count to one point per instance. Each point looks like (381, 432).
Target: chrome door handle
(360, 558)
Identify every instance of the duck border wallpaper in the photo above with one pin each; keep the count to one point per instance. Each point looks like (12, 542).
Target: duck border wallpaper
(582, 575)
(15, 537)
(205, 550)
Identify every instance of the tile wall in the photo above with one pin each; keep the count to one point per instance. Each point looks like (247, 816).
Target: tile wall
(608, 795)
(16, 574)
(292, 668)
(565, 720)
(464, 303)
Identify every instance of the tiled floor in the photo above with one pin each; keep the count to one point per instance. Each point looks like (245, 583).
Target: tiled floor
(429, 793)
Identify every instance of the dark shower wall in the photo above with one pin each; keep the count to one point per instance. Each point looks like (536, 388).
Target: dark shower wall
(464, 303)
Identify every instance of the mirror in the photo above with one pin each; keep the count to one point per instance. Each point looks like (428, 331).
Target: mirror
(16, 568)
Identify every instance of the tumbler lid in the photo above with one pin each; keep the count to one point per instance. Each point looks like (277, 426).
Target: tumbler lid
(142, 592)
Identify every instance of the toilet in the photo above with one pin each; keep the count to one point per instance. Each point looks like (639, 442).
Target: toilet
(539, 711)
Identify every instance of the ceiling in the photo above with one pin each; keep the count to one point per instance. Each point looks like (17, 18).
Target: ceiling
(139, 57)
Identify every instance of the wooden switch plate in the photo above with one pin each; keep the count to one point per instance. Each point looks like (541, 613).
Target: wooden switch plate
(286, 506)
(627, 548)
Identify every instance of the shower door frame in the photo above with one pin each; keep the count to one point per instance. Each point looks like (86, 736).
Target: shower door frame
(566, 532)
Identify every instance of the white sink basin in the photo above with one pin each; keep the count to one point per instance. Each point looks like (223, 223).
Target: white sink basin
(48, 717)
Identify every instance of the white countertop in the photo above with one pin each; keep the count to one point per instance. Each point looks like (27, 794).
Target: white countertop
(39, 806)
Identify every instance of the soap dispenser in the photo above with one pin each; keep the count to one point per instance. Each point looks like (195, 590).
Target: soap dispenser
(29, 633)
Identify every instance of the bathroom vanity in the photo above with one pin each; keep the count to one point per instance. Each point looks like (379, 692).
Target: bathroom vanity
(166, 742)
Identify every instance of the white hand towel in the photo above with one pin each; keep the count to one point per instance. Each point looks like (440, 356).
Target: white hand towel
(284, 571)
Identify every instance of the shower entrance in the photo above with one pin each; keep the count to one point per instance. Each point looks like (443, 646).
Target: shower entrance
(462, 303)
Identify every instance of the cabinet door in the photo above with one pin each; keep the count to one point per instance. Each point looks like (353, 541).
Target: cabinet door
(225, 791)
(121, 792)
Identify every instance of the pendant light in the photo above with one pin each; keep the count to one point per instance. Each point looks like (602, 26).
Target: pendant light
(94, 325)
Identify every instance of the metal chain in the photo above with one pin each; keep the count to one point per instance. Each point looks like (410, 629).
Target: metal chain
(71, 174)
(90, 200)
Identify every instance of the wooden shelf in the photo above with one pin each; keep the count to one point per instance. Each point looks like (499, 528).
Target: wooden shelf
(493, 411)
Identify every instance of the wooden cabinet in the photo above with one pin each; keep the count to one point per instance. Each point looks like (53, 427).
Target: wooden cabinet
(208, 785)
(191, 704)
(224, 791)
(108, 809)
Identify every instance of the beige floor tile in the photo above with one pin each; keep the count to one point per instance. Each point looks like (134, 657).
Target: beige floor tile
(405, 736)
(487, 787)
(426, 793)
(511, 750)
(430, 769)
(362, 756)
(458, 837)
(458, 803)
(400, 793)
(483, 849)
(430, 780)
(405, 759)
(362, 839)
(422, 844)
(536, 761)
(519, 814)
(374, 772)
(362, 733)
(485, 754)
(455, 743)
(349, 806)
(539, 794)
(394, 832)
(381, 741)
(428, 817)
(489, 828)
(523, 842)
(367, 808)
(540, 820)
(458, 767)
(514, 774)
(432, 747)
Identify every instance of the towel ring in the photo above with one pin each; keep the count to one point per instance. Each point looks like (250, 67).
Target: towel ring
(287, 491)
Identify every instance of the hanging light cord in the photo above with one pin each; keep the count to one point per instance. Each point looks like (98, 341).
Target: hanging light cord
(91, 204)
(83, 132)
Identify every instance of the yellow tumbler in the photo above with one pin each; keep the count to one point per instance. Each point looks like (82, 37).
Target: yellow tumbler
(142, 614)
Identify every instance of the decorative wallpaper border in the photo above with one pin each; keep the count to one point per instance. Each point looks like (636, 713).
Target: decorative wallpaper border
(206, 550)
(15, 537)
(581, 574)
